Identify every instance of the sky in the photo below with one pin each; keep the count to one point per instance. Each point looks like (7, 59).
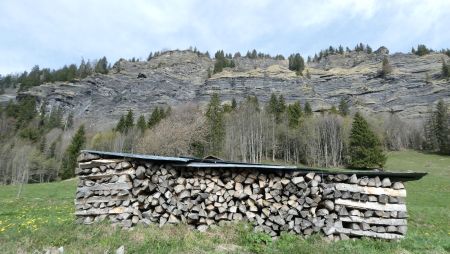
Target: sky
(52, 33)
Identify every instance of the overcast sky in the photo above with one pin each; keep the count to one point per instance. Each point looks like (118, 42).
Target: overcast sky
(53, 33)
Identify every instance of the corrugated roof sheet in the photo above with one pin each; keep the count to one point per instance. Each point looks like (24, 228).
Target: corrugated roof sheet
(191, 162)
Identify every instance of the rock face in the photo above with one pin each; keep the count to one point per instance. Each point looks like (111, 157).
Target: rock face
(177, 77)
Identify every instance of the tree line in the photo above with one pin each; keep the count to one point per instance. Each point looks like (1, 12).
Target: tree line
(38, 76)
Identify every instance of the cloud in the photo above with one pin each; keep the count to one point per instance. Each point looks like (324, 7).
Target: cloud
(54, 33)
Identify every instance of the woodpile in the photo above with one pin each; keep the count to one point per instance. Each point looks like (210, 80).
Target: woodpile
(130, 191)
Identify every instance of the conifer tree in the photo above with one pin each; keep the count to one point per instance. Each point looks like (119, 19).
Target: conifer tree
(120, 127)
(365, 148)
(141, 124)
(344, 109)
(216, 126)
(70, 157)
(445, 69)
(129, 120)
(308, 109)
(102, 66)
(294, 114)
(296, 63)
(442, 127)
(233, 104)
(155, 117)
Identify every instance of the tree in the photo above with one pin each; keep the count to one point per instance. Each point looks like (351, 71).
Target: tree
(422, 50)
(216, 125)
(365, 148)
(120, 127)
(129, 120)
(70, 157)
(233, 104)
(294, 114)
(441, 129)
(308, 109)
(141, 124)
(155, 117)
(386, 67)
(344, 108)
(296, 63)
(102, 66)
(445, 69)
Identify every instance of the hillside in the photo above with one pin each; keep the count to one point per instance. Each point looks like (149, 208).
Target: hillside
(42, 218)
(177, 77)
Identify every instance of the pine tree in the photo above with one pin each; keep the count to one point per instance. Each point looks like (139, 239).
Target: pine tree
(129, 120)
(102, 66)
(70, 157)
(445, 69)
(365, 148)
(120, 127)
(216, 126)
(441, 130)
(233, 104)
(308, 109)
(296, 63)
(344, 109)
(141, 124)
(294, 114)
(155, 117)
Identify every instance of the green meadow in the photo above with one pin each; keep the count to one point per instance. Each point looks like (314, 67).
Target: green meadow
(42, 218)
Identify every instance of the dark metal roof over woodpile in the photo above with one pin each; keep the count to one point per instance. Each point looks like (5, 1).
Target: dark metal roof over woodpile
(210, 162)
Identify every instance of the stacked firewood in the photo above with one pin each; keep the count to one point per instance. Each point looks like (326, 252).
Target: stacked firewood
(130, 192)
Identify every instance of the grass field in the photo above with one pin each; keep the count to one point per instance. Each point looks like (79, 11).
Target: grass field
(43, 218)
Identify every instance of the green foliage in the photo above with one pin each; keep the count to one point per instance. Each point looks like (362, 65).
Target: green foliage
(276, 106)
(30, 133)
(308, 109)
(216, 127)
(437, 130)
(120, 127)
(344, 108)
(141, 124)
(102, 66)
(294, 113)
(157, 115)
(43, 217)
(333, 110)
(129, 120)
(233, 104)
(365, 148)
(222, 62)
(24, 111)
(421, 50)
(70, 156)
(442, 128)
(296, 63)
(445, 69)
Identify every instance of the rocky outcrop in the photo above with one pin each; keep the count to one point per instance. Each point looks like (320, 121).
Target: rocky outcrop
(177, 77)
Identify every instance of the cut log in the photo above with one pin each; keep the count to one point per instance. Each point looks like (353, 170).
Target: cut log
(107, 186)
(370, 190)
(115, 210)
(371, 205)
(368, 233)
(97, 163)
(374, 220)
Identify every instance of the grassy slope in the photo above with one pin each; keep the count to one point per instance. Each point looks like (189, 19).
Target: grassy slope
(42, 218)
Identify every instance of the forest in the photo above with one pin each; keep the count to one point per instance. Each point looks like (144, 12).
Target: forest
(41, 146)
